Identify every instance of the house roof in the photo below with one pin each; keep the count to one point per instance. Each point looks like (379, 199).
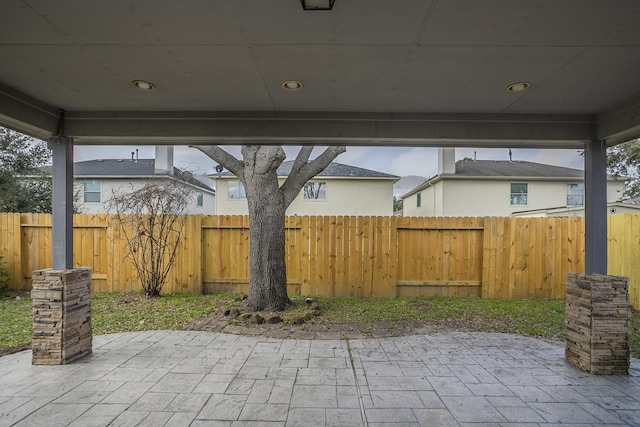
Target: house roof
(334, 170)
(502, 169)
(120, 168)
(499, 168)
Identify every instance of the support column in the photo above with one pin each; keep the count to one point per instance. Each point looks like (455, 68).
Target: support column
(595, 172)
(597, 323)
(61, 316)
(62, 203)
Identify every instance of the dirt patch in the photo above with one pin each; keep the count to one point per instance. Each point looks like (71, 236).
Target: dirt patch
(319, 329)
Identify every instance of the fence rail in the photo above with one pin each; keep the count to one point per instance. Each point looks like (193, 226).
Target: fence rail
(346, 256)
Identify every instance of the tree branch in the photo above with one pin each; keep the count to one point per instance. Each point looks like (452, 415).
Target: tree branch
(307, 170)
(217, 154)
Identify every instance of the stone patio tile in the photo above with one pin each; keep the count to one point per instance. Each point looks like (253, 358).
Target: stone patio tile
(153, 402)
(188, 402)
(177, 383)
(530, 393)
(343, 417)
(309, 396)
(240, 386)
(396, 399)
(383, 369)
(155, 419)
(261, 391)
(129, 418)
(482, 389)
(306, 417)
(82, 397)
(327, 362)
(222, 407)
(414, 383)
(181, 419)
(449, 386)
(434, 418)
(384, 383)
(281, 391)
(92, 421)
(520, 414)
(430, 399)
(564, 413)
(54, 414)
(472, 409)
(264, 412)
(377, 415)
(603, 415)
(630, 417)
(16, 409)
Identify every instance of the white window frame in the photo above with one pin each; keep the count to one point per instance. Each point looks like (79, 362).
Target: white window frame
(199, 199)
(85, 192)
(514, 198)
(238, 192)
(310, 194)
(573, 194)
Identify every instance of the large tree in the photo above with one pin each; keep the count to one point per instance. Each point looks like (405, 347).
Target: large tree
(268, 202)
(624, 160)
(25, 186)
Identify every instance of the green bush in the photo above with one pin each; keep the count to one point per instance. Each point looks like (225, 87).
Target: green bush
(5, 278)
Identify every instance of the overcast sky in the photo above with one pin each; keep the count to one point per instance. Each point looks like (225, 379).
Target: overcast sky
(401, 161)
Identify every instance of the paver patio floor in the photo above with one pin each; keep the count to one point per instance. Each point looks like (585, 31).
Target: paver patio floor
(182, 378)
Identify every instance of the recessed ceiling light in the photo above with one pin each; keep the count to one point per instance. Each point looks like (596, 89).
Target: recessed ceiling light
(292, 85)
(144, 85)
(317, 4)
(518, 87)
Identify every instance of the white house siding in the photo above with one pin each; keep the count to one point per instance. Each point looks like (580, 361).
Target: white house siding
(486, 197)
(364, 197)
(109, 185)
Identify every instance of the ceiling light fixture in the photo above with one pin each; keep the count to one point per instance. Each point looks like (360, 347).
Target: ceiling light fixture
(518, 87)
(292, 85)
(144, 85)
(317, 4)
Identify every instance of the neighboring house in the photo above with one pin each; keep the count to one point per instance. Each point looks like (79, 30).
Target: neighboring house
(501, 188)
(95, 181)
(338, 190)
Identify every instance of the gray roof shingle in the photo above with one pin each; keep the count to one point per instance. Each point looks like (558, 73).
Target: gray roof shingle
(514, 168)
(336, 170)
(130, 168)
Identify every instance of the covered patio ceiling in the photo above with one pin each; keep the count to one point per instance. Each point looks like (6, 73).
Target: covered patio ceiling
(375, 72)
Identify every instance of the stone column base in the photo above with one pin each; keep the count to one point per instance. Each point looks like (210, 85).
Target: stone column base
(597, 323)
(61, 315)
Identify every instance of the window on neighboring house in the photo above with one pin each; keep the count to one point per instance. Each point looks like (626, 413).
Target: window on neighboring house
(315, 190)
(519, 192)
(418, 200)
(92, 191)
(199, 198)
(235, 190)
(575, 194)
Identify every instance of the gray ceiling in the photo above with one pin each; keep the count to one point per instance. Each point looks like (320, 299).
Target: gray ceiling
(411, 72)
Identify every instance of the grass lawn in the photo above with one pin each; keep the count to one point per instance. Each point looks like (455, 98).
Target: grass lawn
(123, 312)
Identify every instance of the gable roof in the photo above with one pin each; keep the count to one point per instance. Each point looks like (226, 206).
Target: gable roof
(141, 168)
(506, 168)
(503, 169)
(334, 170)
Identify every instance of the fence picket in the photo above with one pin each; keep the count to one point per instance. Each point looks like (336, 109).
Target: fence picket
(346, 256)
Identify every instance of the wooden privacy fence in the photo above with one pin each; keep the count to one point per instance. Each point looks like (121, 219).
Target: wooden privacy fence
(346, 256)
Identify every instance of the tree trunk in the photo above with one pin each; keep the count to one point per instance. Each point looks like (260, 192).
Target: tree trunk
(268, 202)
(267, 268)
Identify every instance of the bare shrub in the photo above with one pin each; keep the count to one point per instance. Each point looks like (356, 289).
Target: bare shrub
(151, 220)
